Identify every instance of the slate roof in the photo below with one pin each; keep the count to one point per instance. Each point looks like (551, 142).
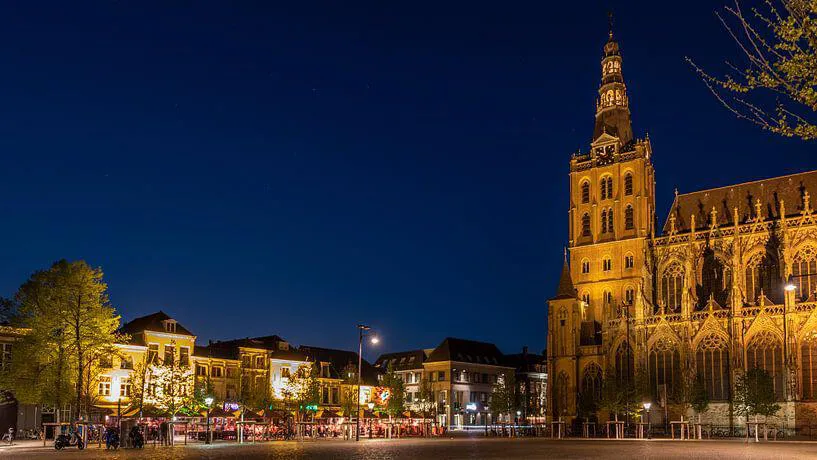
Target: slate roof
(216, 352)
(268, 342)
(525, 362)
(565, 290)
(153, 323)
(466, 351)
(339, 360)
(789, 189)
(401, 361)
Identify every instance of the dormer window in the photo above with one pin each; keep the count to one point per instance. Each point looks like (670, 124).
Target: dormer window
(170, 325)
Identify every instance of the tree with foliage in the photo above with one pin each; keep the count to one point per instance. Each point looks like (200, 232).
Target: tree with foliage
(302, 390)
(617, 397)
(351, 391)
(254, 393)
(754, 395)
(699, 400)
(72, 324)
(779, 46)
(503, 397)
(395, 405)
(171, 387)
(425, 400)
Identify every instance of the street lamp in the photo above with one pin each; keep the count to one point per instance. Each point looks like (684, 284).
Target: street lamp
(361, 328)
(647, 406)
(208, 401)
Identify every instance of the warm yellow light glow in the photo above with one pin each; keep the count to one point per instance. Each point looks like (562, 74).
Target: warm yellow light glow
(375, 340)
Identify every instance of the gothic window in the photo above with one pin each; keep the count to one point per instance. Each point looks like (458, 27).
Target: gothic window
(561, 395)
(610, 220)
(610, 186)
(585, 266)
(672, 284)
(628, 184)
(607, 264)
(603, 186)
(629, 296)
(585, 192)
(591, 382)
(628, 217)
(586, 299)
(586, 224)
(665, 362)
(765, 351)
(624, 363)
(712, 363)
(629, 261)
(804, 272)
(604, 221)
(761, 275)
(606, 188)
(808, 355)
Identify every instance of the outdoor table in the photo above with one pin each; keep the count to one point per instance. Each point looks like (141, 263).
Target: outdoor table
(757, 426)
(619, 427)
(642, 430)
(698, 429)
(681, 424)
(586, 426)
(553, 425)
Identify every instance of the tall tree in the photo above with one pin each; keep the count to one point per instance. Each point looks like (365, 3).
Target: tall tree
(395, 405)
(778, 43)
(754, 395)
(302, 390)
(72, 324)
(503, 397)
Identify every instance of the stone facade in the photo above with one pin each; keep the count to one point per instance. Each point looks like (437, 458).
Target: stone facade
(727, 284)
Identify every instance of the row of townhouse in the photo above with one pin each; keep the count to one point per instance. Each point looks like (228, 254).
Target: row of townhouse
(255, 364)
(459, 377)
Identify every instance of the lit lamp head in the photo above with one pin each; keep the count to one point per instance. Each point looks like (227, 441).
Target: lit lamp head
(375, 340)
(790, 284)
(371, 405)
(518, 413)
(647, 406)
(209, 401)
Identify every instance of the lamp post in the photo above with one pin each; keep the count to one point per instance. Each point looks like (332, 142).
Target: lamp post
(647, 406)
(208, 401)
(361, 328)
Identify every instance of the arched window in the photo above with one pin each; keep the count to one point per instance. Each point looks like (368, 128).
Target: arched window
(761, 275)
(604, 221)
(665, 364)
(628, 184)
(629, 295)
(607, 264)
(610, 220)
(712, 363)
(808, 357)
(672, 284)
(804, 271)
(585, 266)
(624, 363)
(628, 217)
(765, 351)
(585, 192)
(606, 188)
(591, 382)
(629, 261)
(560, 401)
(586, 224)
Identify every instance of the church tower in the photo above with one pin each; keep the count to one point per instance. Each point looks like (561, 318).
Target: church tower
(610, 222)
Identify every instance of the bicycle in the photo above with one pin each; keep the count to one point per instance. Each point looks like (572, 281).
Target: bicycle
(9, 437)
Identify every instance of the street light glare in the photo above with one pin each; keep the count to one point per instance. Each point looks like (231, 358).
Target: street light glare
(375, 340)
(790, 287)
(647, 406)
(208, 400)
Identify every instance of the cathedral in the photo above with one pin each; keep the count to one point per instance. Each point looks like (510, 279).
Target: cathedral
(726, 284)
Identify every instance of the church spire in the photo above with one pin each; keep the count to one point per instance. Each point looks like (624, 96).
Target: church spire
(612, 106)
(566, 290)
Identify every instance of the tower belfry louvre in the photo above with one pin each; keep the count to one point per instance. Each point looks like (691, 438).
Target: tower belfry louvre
(704, 295)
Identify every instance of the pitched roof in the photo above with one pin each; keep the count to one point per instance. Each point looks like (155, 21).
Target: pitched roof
(401, 361)
(275, 345)
(215, 352)
(565, 290)
(789, 189)
(153, 323)
(466, 351)
(339, 360)
(525, 362)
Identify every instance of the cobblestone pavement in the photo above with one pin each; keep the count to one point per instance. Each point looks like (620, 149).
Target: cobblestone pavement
(459, 448)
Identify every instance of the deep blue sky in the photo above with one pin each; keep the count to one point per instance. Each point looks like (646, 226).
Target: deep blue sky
(253, 170)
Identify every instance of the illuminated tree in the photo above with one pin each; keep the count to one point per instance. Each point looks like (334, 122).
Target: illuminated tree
(779, 46)
(302, 390)
(395, 405)
(72, 324)
(503, 397)
(755, 395)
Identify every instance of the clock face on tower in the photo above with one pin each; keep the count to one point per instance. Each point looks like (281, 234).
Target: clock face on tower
(604, 155)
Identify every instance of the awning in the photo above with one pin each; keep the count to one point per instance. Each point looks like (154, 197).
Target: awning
(327, 414)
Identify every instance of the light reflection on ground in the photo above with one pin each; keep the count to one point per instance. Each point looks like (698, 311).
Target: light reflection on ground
(458, 448)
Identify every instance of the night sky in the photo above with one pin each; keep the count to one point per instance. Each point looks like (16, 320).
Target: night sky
(254, 170)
